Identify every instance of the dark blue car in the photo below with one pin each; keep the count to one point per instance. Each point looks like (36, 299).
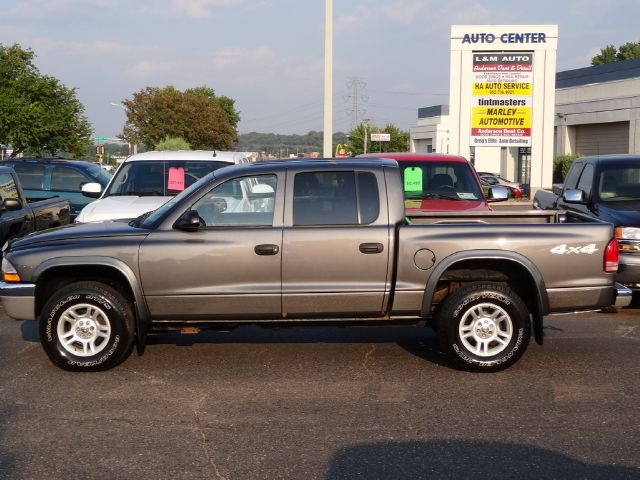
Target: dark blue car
(49, 177)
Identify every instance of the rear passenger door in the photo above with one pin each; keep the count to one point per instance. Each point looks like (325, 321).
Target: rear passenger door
(335, 257)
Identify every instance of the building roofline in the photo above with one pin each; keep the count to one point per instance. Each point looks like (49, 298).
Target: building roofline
(598, 74)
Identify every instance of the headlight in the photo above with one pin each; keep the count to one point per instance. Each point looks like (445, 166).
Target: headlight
(9, 273)
(628, 233)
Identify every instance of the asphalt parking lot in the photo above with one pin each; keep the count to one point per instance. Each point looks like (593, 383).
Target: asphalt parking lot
(327, 403)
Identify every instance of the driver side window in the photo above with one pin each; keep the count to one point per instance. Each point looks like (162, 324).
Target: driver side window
(243, 201)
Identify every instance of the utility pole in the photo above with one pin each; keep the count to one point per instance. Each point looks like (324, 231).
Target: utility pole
(365, 124)
(328, 79)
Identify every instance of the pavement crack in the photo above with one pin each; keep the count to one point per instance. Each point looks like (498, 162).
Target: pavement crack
(367, 359)
(205, 448)
(625, 331)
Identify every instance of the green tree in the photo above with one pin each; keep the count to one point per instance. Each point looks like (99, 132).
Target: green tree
(37, 113)
(629, 51)
(606, 55)
(609, 54)
(156, 113)
(561, 165)
(399, 141)
(172, 143)
(226, 104)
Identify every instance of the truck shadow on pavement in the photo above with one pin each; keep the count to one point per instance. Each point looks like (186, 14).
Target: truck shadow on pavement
(454, 459)
(419, 341)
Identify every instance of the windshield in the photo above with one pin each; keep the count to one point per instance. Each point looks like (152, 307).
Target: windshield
(151, 219)
(99, 174)
(619, 183)
(437, 180)
(159, 177)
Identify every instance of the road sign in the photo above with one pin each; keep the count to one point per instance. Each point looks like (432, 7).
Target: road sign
(380, 137)
(101, 139)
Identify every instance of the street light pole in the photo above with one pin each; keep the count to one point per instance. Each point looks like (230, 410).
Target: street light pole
(328, 79)
(135, 145)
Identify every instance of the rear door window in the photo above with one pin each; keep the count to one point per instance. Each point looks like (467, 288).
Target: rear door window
(31, 175)
(324, 198)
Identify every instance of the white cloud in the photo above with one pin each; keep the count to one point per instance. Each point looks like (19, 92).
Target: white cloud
(403, 12)
(224, 57)
(199, 8)
(42, 8)
(149, 69)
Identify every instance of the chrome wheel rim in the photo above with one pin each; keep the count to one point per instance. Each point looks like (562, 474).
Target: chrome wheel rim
(84, 330)
(486, 330)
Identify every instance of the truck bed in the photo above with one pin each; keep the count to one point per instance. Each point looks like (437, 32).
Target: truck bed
(501, 217)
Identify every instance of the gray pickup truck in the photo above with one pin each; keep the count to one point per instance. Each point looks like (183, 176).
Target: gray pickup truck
(307, 242)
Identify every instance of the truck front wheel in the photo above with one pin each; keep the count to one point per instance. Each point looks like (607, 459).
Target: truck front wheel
(87, 326)
(484, 327)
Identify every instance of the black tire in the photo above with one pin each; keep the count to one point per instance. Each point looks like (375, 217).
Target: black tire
(87, 326)
(484, 327)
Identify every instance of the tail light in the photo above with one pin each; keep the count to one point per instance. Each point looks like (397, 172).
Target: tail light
(611, 257)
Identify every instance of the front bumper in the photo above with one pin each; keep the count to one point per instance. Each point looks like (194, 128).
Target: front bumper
(629, 271)
(18, 300)
(623, 296)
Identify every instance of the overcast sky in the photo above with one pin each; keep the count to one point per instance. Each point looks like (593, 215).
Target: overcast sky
(268, 55)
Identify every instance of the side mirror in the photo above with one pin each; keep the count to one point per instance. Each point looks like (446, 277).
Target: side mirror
(575, 195)
(189, 221)
(12, 204)
(497, 194)
(91, 189)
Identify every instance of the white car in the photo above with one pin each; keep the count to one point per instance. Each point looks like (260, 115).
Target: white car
(147, 180)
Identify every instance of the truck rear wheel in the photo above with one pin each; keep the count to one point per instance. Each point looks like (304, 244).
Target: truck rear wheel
(87, 326)
(484, 327)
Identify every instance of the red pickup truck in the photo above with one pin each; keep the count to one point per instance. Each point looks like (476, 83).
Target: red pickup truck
(434, 182)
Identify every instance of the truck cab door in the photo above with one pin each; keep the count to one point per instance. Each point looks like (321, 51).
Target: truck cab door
(585, 183)
(13, 223)
(335, 257)
(228, 266)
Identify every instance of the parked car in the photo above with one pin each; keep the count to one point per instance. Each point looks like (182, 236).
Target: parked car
(307, 242)
(49, 177)
(490, 179)
(440, 182)
(607, 188)
(145, 181)
(20, 215)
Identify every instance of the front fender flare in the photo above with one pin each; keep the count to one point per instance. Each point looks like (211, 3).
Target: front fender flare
(142, 315)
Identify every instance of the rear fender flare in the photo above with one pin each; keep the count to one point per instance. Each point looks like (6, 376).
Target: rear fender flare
(448, 262)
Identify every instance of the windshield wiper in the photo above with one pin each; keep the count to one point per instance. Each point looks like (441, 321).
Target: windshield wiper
(154, 193)
(136, 222)
(430, 196)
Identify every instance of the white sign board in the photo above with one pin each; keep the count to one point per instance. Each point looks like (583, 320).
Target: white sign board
(380, 137)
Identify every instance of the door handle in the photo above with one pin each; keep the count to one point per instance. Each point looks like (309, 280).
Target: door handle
(371, 247)
(266, 249)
